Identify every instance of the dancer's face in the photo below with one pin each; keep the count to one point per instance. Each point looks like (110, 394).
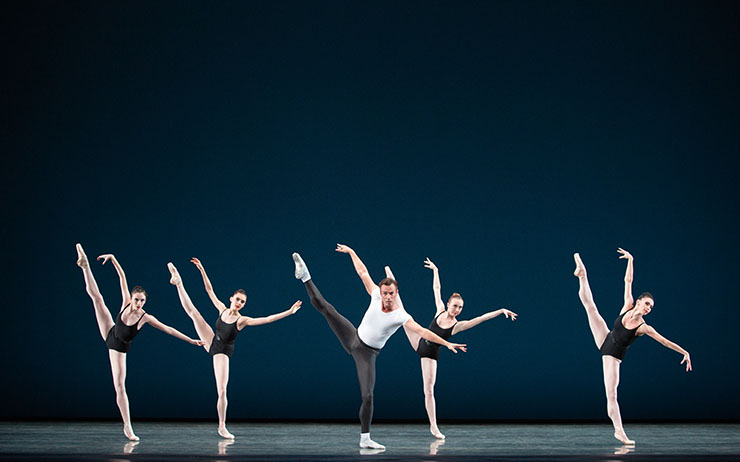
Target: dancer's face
(238, 301)
(454, 307)
(388, 295)
(644, 305)
(137, 300)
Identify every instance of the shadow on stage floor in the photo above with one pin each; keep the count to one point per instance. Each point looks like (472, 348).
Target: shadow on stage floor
(98, 441)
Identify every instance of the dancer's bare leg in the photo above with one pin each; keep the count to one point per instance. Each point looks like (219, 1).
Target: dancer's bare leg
(202, 328)
(221, 370)
(429, 375)
(118, 368)
(102, 313)
(599, 329)
(611, 382)
(413, 337)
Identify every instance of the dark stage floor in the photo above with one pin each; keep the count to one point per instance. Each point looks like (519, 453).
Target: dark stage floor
(198, 441)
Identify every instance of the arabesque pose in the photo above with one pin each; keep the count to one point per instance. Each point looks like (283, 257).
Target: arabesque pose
(220, 344)
(444, 324)
(383, 317)
(627, 327)
(118, 334)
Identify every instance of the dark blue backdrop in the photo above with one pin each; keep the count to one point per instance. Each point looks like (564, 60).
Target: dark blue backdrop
(495, 138)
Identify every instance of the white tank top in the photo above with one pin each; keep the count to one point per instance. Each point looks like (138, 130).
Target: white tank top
(376, 326)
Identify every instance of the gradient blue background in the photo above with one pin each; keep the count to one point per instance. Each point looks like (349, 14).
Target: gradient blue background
(496, 138)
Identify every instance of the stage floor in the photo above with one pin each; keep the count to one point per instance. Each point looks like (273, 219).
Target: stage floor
(93, 441)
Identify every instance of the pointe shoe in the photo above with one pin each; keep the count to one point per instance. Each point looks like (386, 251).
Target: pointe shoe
(224, 433)
(437, 434)
(623, 438)
(129, 432)
(81, 257)
(175, 280)
(301, 270)
(580, 268)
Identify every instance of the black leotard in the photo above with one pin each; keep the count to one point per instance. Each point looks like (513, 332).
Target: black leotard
(427, 349)
(223, 340)
(120, 335)
(619, 339)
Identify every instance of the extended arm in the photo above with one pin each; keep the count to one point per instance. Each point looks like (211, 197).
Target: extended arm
(125, 295)
(247, 321)
(650, 331)
(171, 330)
(629, 301)
(436, 286)
(209, 287)
(359, 267)
(427, 334)
(465, 325)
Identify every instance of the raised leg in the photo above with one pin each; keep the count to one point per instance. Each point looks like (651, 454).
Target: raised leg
(611, 382)
(413, 337)
(118, 368)
(429, 375)
(598, 326)
(202, 328)
(221, 370)
(102, 313)
(342, 328)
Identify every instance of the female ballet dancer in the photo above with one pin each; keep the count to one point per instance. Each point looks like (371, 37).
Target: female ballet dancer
(444, 324)
(627, 327)
(118, 334)
(221, 343)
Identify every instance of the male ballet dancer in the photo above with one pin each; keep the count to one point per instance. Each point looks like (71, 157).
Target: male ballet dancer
(382, 318)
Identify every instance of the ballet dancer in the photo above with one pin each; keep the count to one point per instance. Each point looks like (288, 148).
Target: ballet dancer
(444, 324)
(220, 344)
(118, 334)
(627, 327)
(383, 317)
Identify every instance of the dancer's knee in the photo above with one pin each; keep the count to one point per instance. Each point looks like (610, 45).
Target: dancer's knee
(367, 398)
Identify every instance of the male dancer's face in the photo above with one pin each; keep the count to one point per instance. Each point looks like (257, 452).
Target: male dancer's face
(388, 295)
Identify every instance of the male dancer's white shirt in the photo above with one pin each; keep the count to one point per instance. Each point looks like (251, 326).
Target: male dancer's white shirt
(376, 326)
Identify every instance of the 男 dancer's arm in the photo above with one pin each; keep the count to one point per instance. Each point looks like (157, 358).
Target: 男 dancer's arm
(432, 337)
(125, 295)
(359, 267)
(629, 274)
(436, 286)
(247, 321)
(651, 332)
(172, 331)
(465, 325)
(209, 287)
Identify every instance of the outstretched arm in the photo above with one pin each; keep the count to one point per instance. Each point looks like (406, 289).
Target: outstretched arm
(629, 301)
(359, 267)
(125, 295)
(427, 334)
(436, 286)
(465, 325)
(247, 321)
(650, 331)
(171, 330)
(209, 287)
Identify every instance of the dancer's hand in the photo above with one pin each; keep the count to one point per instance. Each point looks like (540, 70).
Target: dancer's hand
(296, 306)
(197, 263)
(687, 360)
(428, 264)
(197, 342)
(105, 257)
(453, 347)
(625, 255)
(343, 248)
(509, 314)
